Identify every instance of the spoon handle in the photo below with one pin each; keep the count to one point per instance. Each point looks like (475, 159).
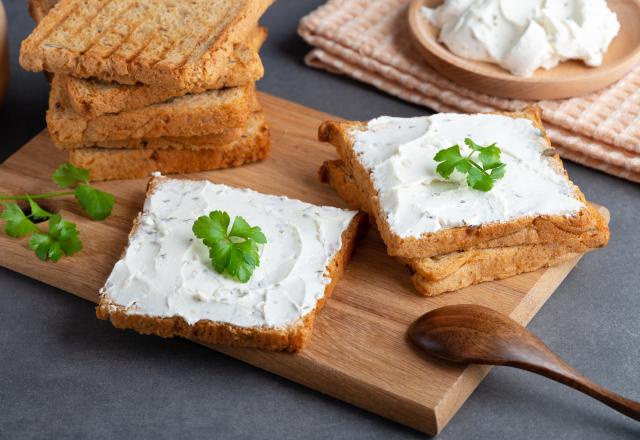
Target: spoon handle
(557, 369)
(621, 404)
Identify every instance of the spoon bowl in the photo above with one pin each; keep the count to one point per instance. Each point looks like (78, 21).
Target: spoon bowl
(474, 334)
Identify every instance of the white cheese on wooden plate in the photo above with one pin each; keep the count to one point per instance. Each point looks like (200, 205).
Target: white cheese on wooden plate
(523, 35)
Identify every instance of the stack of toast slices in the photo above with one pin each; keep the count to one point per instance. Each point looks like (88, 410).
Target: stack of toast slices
(138, 87)
(534, 217)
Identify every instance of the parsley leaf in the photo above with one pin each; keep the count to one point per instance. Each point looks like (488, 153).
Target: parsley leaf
(479, 176)
(498, 172)
(476, 179)
(37, 213)
(17, 224)
(62, 238)
(67, 175)
(242, 229)
(234, 251)
(449, 158)
(97, 204)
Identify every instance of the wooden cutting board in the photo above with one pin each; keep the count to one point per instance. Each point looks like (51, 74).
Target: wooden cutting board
(359, 353)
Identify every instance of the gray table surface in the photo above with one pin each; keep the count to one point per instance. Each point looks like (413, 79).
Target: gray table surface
(65, 374)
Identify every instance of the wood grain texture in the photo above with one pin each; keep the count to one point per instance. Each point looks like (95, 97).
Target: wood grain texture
(568, 79)
(359, 351)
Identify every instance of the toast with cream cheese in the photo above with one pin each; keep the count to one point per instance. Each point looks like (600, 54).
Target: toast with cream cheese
(420, 214)
(496, 259)
(164, 283)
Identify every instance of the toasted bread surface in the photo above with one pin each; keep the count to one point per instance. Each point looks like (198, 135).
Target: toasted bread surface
(191, 115)
(39, 8)
(222, 139)
(170, 44)
(92, 98)
(504, 263)
(292, 338)
(551, 228)
(120, 163)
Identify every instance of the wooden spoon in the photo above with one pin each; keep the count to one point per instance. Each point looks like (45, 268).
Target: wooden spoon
(475, 334)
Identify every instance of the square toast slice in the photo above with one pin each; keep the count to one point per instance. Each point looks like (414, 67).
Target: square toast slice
(206, 113)
(214, 140)
(493, 260)
(177, 45)
(164, 283)
(208, 141)
(92, 98)
(121, 163)
(419, 214)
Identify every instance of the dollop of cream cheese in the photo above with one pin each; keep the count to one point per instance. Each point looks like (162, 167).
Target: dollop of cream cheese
(524, 35)
(398, 153)
(166, 270)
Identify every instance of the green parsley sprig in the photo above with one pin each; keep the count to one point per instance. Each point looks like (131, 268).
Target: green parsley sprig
(62, 236)
(479, 176)
(234, 251)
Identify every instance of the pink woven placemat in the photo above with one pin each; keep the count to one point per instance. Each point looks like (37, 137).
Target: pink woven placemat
(369, 40)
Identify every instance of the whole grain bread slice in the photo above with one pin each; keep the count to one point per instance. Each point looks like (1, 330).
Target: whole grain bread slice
(496, 259)
(292, 338)
(506, 263)
(224, 138)
(39, 8)
(170, 44)
(92, 98)
(550, 228)
(191, 115)
(221, 139)
(121, 163)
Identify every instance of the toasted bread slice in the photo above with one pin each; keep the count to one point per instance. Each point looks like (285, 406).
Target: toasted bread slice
(120, 163)
(224, 138)
(495, 259)
(92, 98)
(39, 8)
(187, 297)
(504, 263)
(169, 44)
(339, 177)
(441, 237)
(191, 115)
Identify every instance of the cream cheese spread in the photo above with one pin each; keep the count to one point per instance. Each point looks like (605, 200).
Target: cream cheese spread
(523, 35)
(398, 152)
(166, 270)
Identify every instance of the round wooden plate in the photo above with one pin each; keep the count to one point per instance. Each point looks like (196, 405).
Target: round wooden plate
(571, 78)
